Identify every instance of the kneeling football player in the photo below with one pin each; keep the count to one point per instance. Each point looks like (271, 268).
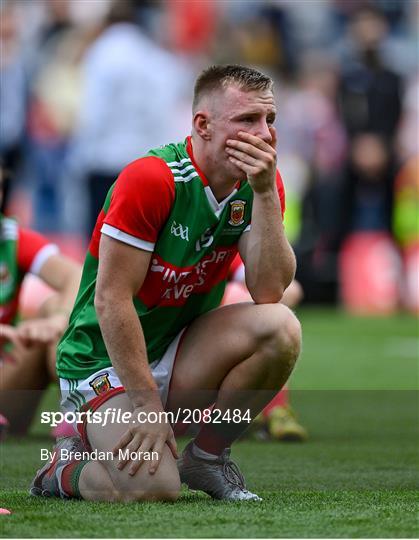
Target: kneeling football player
(147, 335)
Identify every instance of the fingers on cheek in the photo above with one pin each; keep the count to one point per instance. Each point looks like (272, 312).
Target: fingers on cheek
(236, 162)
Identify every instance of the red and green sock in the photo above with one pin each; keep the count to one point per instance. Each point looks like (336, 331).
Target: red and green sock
(70, 477)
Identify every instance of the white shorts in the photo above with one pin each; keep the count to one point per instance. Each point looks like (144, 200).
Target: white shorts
(77, 394)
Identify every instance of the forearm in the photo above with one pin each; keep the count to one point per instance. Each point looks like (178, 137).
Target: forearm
(124, 340)
(270, 261)
(63, 275)
(68, 292)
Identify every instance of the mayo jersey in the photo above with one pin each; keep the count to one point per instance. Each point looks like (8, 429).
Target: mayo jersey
(161, 203)
(21, 251)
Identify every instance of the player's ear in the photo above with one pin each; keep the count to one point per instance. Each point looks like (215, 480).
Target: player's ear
(201, 125)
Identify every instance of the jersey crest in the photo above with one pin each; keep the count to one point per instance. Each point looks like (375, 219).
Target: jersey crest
(237, 212)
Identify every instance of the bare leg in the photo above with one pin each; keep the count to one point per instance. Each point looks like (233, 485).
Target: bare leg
(241, 355)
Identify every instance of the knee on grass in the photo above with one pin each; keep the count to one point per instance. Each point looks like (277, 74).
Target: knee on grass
(96, 485)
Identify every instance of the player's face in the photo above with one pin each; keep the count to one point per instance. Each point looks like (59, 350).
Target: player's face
(235, 110)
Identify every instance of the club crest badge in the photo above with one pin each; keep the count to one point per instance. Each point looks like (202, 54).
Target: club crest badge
(101, 384)
(237, 212)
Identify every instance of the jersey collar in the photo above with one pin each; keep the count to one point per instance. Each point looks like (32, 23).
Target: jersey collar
(189, 150)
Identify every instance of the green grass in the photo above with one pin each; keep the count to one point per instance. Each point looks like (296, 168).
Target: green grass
(357, 476)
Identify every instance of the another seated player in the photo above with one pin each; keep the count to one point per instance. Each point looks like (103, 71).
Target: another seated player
(147, 334)
(27, 347)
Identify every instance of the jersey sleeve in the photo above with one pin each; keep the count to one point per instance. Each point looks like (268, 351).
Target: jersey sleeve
(33, 250)
(281, 193)
(140, 203)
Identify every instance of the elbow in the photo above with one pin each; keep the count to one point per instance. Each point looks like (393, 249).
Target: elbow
(101, 303)
(269, 289)
(272, 296)
(108, 302)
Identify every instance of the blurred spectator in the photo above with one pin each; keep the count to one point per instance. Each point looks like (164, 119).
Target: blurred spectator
(53, 104)
(355, 196)
(275, 32)
(131, 102)
(13, 89)
(370, 90)
(369, 262)
(302, 26)
(308, 122)
(393, 34)
(407, 141)
(254, 33)
(367, 197)
(360, 200)
(190, 25)
(312, 138)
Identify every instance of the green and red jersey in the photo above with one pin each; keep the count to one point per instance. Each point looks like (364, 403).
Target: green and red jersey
(161, 203)
(21, 251)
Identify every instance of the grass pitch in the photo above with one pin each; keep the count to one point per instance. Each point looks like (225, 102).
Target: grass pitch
(355, 389)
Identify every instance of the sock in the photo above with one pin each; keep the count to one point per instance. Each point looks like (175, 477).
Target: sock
(180, 429)
(280, 400)
(210, 441)
(70, 475)
(214, 437)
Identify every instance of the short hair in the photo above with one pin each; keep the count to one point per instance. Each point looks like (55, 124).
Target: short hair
(221, 76)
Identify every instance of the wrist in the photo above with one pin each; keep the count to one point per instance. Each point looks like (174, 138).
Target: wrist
(267, 200)
(266, 193)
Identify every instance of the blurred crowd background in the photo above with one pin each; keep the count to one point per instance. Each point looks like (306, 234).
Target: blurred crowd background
(89, 85)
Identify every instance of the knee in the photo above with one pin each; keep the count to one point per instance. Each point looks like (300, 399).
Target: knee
(290, 333)
(282, 337)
